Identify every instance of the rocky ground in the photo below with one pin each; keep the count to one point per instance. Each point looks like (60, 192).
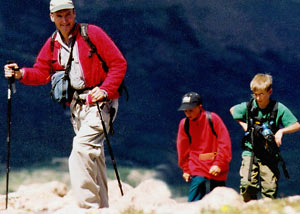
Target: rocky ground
(151, 196)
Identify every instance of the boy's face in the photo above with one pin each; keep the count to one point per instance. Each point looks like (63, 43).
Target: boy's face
(262, 97)
(193, 113)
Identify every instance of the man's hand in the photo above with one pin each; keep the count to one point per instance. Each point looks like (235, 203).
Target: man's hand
(187, 177)
(97, 94)
(12, 70)
(215, 170)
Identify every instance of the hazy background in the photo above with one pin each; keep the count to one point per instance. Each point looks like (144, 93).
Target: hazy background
(213, 47)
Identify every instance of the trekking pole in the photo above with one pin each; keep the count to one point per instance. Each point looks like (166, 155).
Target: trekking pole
(285, 171)
(109, 147)
(11, 89)
(252, 156)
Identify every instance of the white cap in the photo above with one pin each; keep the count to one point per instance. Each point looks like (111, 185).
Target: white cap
(56, 5)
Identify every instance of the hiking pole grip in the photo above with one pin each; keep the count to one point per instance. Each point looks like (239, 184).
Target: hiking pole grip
(109, 148)
(11, 80)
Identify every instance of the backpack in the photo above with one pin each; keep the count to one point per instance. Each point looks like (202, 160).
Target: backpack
(265, 148)
(84, 34)
(259, 125)
(187, 126)
(252, 112)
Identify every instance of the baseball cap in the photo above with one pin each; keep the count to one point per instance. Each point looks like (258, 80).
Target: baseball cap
(56, 5)
(189, 101)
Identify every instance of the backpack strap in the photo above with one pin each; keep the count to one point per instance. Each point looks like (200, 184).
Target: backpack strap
(85, 35)
(208, 116)
(187, 129)
(187, 126)
(252, 112)
(273, 116)
(52, 40)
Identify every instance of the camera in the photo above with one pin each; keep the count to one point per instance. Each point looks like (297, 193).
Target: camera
(266, 132)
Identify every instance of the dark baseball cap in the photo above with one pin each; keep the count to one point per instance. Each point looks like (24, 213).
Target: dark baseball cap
(190, 100)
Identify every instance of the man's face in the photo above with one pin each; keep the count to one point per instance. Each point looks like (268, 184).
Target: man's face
(193, 113)
(262, 97)
(64, 20)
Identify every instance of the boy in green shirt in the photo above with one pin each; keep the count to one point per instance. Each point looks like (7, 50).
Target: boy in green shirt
(264, 121)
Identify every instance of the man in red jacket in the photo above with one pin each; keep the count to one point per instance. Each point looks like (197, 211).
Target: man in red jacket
(203, 146)
(91, 84)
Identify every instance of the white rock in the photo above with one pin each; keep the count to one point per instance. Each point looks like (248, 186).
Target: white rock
(147, 196)
(219, 197)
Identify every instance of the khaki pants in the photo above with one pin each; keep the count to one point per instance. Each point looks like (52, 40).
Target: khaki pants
(87, 160)
(263, 180)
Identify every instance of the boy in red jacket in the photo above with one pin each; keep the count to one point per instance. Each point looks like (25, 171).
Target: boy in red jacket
(203, 146)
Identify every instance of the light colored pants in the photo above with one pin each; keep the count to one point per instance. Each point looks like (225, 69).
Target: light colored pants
(87, 160)
(263, 179)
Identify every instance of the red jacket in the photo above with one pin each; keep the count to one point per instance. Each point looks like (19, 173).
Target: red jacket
(48, 62)
(204, 142)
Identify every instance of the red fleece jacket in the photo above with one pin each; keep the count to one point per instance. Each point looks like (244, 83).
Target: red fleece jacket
(204, 141)
(48, 62)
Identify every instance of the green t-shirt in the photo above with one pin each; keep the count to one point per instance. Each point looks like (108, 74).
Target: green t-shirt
(284, 117)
